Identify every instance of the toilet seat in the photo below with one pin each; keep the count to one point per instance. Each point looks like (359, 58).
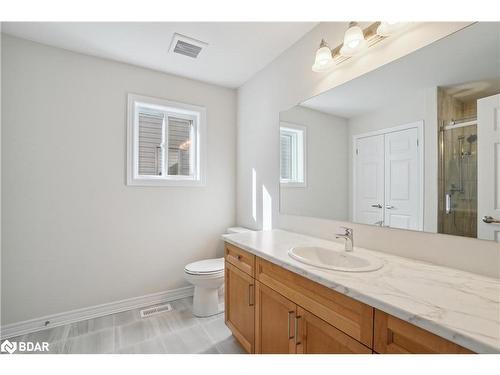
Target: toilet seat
(205, 267)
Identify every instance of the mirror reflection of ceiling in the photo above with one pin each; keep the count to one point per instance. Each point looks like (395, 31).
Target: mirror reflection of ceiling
(473, 90)
(443, 63)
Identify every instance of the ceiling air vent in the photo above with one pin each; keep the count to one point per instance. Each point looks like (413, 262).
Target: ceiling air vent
(186, 46)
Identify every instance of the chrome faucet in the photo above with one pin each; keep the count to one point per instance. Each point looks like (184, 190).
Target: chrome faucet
(348, 236)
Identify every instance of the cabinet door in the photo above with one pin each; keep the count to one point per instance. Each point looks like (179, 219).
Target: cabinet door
(395, 336)
(274, 322)
(315, 336)
(239, 295)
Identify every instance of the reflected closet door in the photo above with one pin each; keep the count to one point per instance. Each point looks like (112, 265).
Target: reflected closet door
(402, 180)
(369, 180)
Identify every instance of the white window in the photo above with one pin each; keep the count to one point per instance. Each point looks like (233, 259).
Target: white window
(166, 143)
(292, 155)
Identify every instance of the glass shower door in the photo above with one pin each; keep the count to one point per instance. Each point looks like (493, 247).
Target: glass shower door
(459, 161)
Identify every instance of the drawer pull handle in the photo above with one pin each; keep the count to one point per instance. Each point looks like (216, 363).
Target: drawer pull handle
(238, 257)
(250, 295)
(297, 330)
(289, 324)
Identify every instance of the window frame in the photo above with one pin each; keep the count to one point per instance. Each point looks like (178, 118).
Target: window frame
(194, 113)
(301, 164)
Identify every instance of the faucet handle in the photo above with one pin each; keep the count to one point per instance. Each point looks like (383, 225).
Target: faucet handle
(348, 231)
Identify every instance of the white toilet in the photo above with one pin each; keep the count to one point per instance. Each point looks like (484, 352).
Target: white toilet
(207, 276)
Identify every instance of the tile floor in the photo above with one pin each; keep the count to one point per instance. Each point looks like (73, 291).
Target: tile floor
(177, 331)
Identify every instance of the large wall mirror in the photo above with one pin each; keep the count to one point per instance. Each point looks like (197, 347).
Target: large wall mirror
(413, 145)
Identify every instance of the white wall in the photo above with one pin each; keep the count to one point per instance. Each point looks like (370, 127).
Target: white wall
(421, 105)
(74, 235)
(327, 158)
(288, 80)
(0, 170)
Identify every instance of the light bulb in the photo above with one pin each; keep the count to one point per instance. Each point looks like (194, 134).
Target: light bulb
(324, 59)
(354, 41)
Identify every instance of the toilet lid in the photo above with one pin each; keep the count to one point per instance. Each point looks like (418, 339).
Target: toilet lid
(206, 266)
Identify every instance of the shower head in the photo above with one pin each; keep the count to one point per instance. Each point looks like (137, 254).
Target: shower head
(472, 138)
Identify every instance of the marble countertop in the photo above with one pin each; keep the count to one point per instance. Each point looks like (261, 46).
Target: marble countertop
(459, 306)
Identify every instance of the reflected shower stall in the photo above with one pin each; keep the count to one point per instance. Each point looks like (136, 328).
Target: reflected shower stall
(459, 171)
(457, 162)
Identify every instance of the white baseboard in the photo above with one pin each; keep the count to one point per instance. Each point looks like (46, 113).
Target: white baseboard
(55, 320)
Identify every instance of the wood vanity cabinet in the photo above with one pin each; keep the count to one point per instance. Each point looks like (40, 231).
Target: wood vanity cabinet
(395, 336)
(315, 336)
(239, 305)
(270, 309)
(274, 322)
(283, 327)
(353, 318)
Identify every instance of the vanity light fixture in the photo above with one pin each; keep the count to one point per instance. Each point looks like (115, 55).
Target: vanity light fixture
(324, 58)
(356, 40)
(387, 28)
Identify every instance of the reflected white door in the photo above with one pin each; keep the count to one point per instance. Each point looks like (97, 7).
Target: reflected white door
(369, 180)
(402, 180)
(488, 161)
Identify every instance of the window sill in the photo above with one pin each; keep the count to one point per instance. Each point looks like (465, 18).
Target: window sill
(293, 184)
(166, 183)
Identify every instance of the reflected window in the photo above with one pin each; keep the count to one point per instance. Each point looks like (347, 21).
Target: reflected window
(292, 155)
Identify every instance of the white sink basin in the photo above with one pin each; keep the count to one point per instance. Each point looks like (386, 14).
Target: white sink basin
(335, 259)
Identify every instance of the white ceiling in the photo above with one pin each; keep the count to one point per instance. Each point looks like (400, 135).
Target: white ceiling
(235, 52)
(472, 54)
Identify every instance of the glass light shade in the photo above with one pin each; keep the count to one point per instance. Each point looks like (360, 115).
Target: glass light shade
(387, 28)
(354, 41)
(323, 60)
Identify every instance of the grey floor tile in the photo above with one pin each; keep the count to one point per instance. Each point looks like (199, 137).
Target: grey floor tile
(211, 350)
(133, 333)
(47, 335)
(153, 346)
(99, 342)
(210, 318)
(217, 329)
(126, 317)
(189, 341)
(177, 331)
(177, 319)
(230, 346)
(91, 325)
(57, 347)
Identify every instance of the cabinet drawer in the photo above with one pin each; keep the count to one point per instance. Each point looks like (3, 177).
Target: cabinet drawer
(240, 258)
(395, 336)
(349, 316)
